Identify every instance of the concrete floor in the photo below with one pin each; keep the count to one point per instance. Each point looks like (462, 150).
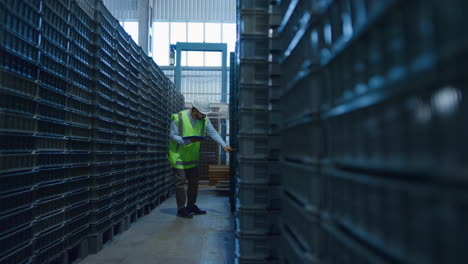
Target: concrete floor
(161, 237)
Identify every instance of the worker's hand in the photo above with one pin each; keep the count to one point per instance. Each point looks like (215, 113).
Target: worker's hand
(228, 148)
(196, 140)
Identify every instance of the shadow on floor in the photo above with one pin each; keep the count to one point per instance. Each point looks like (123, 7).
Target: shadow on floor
(214, 190)
(170, 211)
(213, 211)
(173, 211)
(222, 193)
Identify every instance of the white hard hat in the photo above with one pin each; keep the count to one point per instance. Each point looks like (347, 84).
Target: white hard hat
(202, 105)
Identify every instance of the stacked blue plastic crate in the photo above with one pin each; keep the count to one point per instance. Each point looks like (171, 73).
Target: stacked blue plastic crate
(72, 164)
(172, 107)
(369, 156)
(257, 184)
(19, 65)
(302, 133)
(108, 134)
(79, 120)
(274, 77)
(34, 88)
(406, 160)
(233, 97)
(145, 122)
(125, 150)
(133, 127)
(160, 136)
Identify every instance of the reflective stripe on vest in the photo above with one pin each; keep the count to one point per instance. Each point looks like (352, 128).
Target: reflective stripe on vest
(184, 163)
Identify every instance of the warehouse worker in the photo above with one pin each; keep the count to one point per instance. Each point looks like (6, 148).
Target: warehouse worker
(184, 153)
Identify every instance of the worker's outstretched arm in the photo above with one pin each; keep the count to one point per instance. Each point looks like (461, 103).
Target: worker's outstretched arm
(212, 133)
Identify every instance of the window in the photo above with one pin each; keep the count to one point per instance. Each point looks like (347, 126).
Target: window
(183, 58)
(178, 32)
(161, 43)
(195, 58)
(229, 37)
(213, 35)
(195, 32)
(213, 32)
(213, 58)
(132, 28)
(166, 33)
(150, 46)
(151, 16)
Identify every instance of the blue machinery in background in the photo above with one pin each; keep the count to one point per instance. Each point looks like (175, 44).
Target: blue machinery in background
(213, 47)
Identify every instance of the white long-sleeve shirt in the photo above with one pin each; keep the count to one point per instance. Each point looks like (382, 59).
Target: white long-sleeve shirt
(210, 131)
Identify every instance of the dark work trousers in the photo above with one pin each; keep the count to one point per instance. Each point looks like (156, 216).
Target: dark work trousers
(183, 176)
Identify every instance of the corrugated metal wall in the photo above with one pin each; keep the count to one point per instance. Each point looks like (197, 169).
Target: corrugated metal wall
(177, 10)
(195, 10)
(199, 82)
(123, 9)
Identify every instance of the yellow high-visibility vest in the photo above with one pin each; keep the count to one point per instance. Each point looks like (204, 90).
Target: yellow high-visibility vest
(186, 156)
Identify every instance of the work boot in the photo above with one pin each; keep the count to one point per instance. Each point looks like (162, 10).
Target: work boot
(195, 210)
(184, 213)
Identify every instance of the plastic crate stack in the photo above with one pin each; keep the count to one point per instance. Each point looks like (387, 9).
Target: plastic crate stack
(172, 108)
(163, 178)
(64, 152)
(274, 83)
(107, 197)
(131, 129)
(233, 117)
(273, 98)
(19, 65)
(84, 131)
(209, 151)
(153, 129)
(45, 167)
(373, 94)
(302, 145)
(79, 120)
(257, 184)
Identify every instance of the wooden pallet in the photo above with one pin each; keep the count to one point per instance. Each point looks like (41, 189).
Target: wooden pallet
(218, 174)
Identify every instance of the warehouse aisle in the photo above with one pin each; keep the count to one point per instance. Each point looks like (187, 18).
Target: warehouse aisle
(161, 237)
